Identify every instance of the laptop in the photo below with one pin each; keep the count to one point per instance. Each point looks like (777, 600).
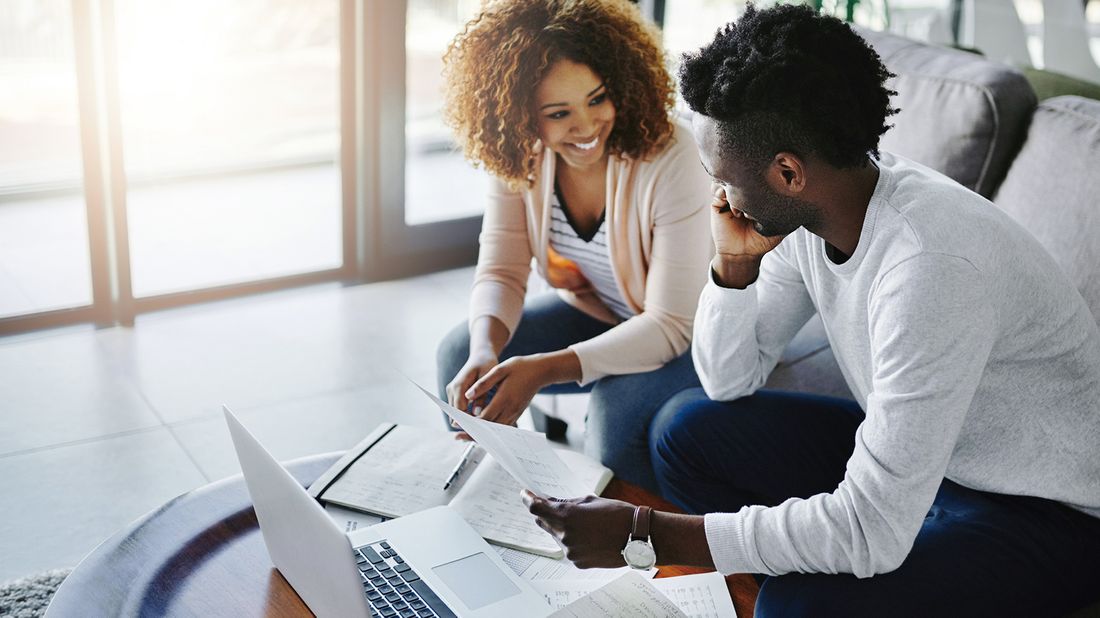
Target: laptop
(428, 564)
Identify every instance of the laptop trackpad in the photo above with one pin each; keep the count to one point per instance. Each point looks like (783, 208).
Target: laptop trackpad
(476, 580)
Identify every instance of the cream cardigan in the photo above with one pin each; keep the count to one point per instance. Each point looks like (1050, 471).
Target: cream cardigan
(659, 240)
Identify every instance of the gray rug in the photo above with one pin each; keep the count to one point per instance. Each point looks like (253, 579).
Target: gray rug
(29, 597)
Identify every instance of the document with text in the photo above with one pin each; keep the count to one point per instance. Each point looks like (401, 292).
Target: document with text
(698, 596)
(629, 595)
(404, 469)
(526, 455)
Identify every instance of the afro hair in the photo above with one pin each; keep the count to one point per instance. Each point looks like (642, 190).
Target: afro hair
(789, 79)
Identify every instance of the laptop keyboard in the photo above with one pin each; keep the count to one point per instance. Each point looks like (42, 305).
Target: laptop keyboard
(393, 588)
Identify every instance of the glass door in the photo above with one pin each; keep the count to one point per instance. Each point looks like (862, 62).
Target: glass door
(439, 183)
(430, 199)
(154, 154)
(44, 258)
(231, 140)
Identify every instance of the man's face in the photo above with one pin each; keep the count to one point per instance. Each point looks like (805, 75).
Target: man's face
(772, 214)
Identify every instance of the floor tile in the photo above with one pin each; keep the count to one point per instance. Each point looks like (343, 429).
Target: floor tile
(456, 282)
(60, 503)
(262, 352)
(57, 389)
(323, 424)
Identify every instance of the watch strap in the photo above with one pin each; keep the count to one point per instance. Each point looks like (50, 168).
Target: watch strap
(640, 529)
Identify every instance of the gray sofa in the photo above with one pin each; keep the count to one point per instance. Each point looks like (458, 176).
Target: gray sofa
(979, 123)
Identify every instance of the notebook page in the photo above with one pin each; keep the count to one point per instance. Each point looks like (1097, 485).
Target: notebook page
(526, 455)
(490, 502)
(401, 474)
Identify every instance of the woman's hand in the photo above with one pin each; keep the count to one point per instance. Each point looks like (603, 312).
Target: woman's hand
(477, 366)
(518, 379)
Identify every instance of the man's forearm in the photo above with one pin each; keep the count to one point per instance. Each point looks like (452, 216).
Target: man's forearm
(680, 539)
(735, 271)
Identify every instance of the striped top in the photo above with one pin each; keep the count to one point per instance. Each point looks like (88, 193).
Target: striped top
(589, 254)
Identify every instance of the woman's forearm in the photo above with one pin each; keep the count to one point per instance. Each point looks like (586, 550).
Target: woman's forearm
(488, 334)
(560, 366)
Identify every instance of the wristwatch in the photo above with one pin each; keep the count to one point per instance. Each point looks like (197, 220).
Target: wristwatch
(639, 553)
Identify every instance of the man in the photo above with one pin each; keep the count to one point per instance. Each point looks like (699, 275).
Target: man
(965, 478)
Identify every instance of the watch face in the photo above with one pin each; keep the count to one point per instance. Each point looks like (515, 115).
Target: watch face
(639, 554)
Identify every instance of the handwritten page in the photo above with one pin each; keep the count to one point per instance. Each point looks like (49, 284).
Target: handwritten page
(404, 469)
(526, 455)
(491, 502)
(629, 595)
(533, 568)
(698, 596)
(405, 474)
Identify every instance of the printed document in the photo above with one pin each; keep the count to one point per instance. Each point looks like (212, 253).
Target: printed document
(526, 455)
(629, 595)
(699, 596)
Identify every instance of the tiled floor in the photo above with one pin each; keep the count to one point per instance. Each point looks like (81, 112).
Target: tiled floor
(99, 427)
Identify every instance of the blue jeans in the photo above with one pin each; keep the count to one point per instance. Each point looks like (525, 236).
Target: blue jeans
(620, 408)
(977, 553)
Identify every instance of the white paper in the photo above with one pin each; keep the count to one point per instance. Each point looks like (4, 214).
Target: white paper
(490, 500)
(537, 568)
(629, 595)
(406, 474)
(350, 520)
(699, 596)
(704, 595)
(526, 455)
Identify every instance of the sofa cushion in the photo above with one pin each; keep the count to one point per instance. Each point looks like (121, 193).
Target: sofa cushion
(961, 114)
(1053, 188)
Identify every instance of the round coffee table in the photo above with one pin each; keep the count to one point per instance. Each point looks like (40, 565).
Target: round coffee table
(202, 554)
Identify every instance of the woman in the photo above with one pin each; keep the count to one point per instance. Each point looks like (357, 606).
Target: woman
(567, 104)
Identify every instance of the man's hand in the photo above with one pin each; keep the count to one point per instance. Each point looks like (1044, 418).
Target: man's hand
(734, 233)
(593, 531)
(738, 246)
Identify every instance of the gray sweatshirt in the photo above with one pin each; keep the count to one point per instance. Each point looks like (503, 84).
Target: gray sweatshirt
(972, 354)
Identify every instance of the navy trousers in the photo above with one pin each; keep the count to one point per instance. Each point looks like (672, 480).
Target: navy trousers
(621, 406)
(977, 553)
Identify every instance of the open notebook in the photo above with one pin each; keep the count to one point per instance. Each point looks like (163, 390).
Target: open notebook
(398, 470)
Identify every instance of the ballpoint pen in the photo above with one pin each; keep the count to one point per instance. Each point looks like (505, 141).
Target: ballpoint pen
(462, 461)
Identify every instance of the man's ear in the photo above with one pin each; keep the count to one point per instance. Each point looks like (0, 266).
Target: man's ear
(787, 174)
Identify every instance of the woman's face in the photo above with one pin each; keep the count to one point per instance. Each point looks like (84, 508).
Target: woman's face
(574, 114)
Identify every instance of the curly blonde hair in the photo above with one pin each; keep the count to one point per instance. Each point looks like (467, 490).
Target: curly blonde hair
(492, 68)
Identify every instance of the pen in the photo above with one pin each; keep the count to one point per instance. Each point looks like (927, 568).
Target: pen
(462, 461)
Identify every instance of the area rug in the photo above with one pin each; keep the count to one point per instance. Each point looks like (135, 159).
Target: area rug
(29, 597)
